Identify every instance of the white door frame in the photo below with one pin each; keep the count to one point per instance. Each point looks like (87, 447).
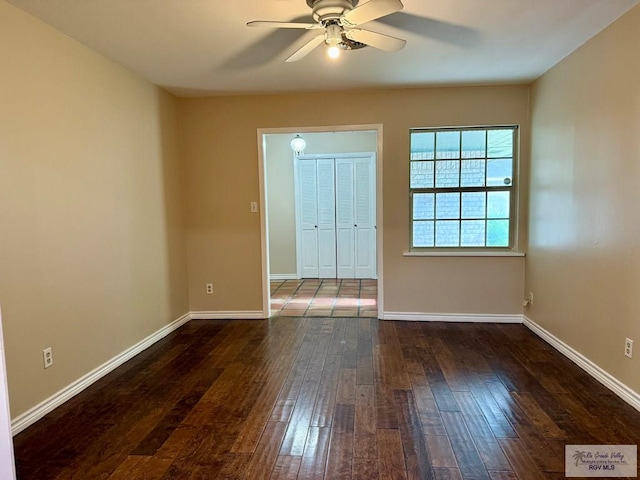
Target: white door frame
(264, 233)
(7, 461)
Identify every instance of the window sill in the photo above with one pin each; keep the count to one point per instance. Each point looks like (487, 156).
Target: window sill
(464, 253)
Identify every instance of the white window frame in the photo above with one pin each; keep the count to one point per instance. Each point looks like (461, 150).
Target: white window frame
(512, 188)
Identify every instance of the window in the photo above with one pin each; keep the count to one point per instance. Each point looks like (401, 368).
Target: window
(462, 187)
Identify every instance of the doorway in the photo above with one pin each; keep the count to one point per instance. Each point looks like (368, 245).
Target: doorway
(280, 260)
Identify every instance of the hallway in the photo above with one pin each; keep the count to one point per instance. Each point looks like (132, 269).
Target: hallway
(324, 298)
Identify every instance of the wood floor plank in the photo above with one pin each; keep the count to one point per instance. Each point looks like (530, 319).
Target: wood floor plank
(492, 455)
(346, 393)
(261, 411)
(500, 475)
(314, 457)
(336, 344)
(350, 349)
(473, 416)
(138, 468)
(365, 469)
(365, 442)
(364, 370)
(340, 454)
(548, 456)
(446, 474)
(416, 455)
(453, 374)
(298, 428)
(386, 411)
(391, 464)
(235, 466)
(326, 399)
(207, 452)
(464, 449)
(388, 364)
(428, 410)
(517, 453)
(286, 468)
(495, 417)
(282, 410)
(538, 416)
(156, 438)
(262, 461)
(440, 451)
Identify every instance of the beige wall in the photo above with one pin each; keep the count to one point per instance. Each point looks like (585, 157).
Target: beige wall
(223, 237)
(92, 251)
(584, 255)
(281, 191)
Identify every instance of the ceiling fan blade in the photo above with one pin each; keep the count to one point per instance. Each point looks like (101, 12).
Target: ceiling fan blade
(377, 40)
(371, 10)
(305, 26)
(432, 28)
(306, 48)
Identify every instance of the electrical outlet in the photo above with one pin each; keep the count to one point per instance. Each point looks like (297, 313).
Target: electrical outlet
(628, 347)
(47, 357)
(209, 288)
(530, 298)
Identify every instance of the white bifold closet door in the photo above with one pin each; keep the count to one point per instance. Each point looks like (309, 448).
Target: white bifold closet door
(355, 217)
(337, 217)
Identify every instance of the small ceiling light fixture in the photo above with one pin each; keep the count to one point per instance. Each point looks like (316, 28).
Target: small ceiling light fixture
(298, 145)
(333, 39)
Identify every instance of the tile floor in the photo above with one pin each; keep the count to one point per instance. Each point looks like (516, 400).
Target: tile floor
(324, 298)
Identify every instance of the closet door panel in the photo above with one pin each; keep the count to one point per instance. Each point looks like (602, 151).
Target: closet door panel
(346, 250)
(308, 194)
(364, 217)
(309, 254)
(364, 261)
(345, 220)
(326, 218)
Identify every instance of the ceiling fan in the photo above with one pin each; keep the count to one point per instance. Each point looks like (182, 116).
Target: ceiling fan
(340, 20)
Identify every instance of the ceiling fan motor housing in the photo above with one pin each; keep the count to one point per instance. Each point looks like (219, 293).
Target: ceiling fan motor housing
(327, 10)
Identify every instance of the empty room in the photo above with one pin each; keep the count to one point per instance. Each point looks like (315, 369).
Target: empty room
(321, 239)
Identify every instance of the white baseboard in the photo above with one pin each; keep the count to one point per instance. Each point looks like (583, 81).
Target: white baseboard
(452, 317)
(34, 414)
(232, 315)
(284, 276)
(612, 383)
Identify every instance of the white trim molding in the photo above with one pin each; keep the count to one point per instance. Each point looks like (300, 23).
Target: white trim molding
(453, 317)
(34, 414)
(463, 253)
(284, 276)
(612, 383)
(230, 315)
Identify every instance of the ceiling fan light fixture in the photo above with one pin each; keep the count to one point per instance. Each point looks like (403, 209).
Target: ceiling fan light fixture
(333, 38)
(341, 20)
(333, 51)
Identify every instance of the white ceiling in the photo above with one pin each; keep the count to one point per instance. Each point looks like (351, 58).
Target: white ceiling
(195, 47)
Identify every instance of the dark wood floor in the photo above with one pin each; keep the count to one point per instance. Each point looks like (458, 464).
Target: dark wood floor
(337, 398)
